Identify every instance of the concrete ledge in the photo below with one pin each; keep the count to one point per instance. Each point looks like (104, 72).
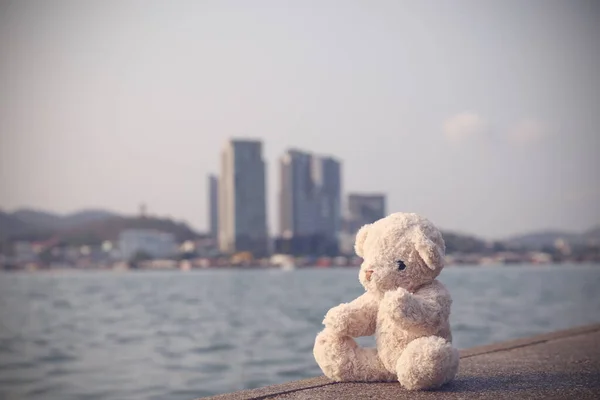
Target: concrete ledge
(528, 341)
(562, 364)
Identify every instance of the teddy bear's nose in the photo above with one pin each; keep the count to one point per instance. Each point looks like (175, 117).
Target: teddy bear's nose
(368, 274)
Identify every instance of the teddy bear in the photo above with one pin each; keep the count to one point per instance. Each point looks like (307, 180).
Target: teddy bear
(404, 305)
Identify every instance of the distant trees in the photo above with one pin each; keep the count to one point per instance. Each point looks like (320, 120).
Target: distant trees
(85, 238)
(138, 258)
(457, 243)
(48, 256)
(7, 248)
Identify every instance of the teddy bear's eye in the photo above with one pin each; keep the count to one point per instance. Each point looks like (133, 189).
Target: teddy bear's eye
(401, 265)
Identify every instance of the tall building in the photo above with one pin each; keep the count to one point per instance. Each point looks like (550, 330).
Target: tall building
(242, 198)
(364, 209)
(213, 205)
(298, 197)
(327, 175)
(309, 203)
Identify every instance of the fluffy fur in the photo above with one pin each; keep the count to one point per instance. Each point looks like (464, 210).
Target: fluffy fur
(407, 310)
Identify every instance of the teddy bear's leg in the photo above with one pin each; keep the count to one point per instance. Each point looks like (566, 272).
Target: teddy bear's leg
(427, 363)
(342, 360)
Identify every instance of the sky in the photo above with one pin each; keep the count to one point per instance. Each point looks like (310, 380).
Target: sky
(482, 116)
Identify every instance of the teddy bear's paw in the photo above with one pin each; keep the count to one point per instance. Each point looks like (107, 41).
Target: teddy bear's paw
(427, 363)
(396, 295)
(342, 360)
(395, 301)
(334, 355)
(338, 319)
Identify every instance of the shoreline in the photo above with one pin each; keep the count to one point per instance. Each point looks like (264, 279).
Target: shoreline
(277, 268)
(556, 365)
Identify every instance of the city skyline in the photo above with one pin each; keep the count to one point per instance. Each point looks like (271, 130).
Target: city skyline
(480, 116)
(274, 232)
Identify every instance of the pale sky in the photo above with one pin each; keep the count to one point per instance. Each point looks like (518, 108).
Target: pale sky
(482, 115)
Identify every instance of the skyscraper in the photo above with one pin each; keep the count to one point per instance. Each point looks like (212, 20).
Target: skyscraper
(298, 200)
(213, 205)
(327, 178)
(364, 209)
(242, 198)
(309, 203)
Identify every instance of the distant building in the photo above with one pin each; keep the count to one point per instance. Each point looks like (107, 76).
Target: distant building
(298, 199)
(154, 243)
(242, 198)
(309, 204)
(24, 252)
(364, 209)
(213, 205)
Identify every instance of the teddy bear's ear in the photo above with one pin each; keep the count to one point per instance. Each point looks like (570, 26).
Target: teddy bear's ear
(431, 253)
(361, 236)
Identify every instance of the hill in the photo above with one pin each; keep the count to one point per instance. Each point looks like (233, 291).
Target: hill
(461, 243)
(545, 239)
(83, 227)
(45, 221)
(12, 226)
(593, 233)
(539, 240)
(109, 229)
(38, 220)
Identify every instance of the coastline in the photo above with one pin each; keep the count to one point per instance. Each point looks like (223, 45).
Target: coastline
(557, 365)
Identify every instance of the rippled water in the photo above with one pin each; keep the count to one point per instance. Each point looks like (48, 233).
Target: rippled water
(176, 335)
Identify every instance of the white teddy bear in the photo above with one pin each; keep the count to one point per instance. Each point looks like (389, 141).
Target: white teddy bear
(404, 306)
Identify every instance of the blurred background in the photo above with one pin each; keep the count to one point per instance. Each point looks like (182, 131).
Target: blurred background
(181, 181)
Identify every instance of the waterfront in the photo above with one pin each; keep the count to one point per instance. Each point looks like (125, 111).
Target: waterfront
(181, 335)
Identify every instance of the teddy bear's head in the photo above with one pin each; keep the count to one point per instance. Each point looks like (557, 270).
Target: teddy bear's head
(400, 250)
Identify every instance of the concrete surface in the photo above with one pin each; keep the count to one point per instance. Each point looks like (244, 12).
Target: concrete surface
(559, 365)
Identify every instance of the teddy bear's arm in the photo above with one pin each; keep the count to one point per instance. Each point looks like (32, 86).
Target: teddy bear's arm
(426, 310)
(355, 319)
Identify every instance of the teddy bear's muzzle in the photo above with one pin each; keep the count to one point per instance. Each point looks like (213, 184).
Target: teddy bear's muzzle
(368, 274)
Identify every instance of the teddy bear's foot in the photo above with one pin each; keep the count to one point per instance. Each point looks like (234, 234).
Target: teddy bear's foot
(342, 360)
(427, 363)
